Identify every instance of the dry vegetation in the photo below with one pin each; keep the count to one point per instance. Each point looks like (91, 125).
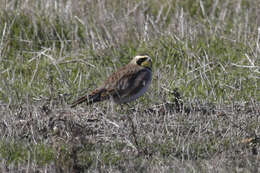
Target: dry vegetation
(201, 113)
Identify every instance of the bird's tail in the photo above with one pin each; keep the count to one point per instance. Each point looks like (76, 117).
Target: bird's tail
(95, 96)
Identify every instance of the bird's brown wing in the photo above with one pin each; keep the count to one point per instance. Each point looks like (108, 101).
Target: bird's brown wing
(131, 83)
(119, 80)
(126, 82)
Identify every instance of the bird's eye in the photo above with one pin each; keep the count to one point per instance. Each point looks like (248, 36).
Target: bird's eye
(140, 61)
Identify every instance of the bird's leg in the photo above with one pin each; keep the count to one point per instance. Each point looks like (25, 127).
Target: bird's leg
(133, 129)
(133, 133)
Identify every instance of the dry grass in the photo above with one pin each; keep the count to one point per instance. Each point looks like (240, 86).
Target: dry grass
(201, 113)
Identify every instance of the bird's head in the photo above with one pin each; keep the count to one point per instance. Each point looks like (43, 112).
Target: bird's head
(144, 61)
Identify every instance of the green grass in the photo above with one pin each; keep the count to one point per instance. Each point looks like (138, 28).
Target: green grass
(19, 152)
(51, 52)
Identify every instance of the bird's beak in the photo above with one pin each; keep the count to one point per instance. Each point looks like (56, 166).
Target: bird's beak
(147, 63)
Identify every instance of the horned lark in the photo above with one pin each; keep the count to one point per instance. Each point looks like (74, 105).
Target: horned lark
(127, 84)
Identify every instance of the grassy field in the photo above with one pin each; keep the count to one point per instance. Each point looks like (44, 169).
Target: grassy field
(201, 114)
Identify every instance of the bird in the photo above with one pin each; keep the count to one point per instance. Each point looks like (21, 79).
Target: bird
(123, 86)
